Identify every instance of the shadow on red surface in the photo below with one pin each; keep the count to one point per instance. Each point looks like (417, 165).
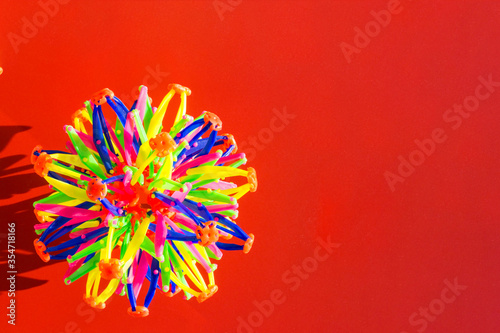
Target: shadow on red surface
(14, 181)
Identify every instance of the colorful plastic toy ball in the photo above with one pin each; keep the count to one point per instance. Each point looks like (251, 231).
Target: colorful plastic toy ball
(142, 202)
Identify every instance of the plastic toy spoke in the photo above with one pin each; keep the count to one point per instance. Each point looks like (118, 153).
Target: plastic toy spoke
(142, 201)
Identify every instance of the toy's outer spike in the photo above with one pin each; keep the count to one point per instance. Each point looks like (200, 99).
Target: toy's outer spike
(90, 300)
(252, 179)
(179, 88)
(42, 164)
(140, 312)
(35, 153)
(230, 142)
(41, 250)
(249, 243)
(207, 294)
(99, 97)
(214, 120)
(142, 203)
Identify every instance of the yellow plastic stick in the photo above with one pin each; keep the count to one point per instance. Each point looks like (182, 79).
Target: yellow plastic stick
(196, 278)
(144, 152)
(70, 159)
(214, 172)
(185, 268)
(69, 190)
(106, 251)
(182, 108)
(141, 169)
(166, 169)
(157, 119)
(64, 171)
(90, 281)
(243, 189)
(211, 279)
(135, 243)
(110, 289)
(174, 278)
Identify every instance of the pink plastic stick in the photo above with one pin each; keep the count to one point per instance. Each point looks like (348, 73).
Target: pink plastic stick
(182, 195)
(141, 273)
(160, 235)
(221, 185)
(198, 256)
(230, 158)
(71, 148)
(181, 171)
(68, 211)
(220, 208)
(128, 139)
(141, 102)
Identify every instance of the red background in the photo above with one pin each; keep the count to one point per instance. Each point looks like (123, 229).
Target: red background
(322, 175)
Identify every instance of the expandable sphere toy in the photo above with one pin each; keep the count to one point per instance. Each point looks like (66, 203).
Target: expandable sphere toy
(140, 201)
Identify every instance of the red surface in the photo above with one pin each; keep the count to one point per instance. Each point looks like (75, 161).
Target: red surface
(321, 174)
